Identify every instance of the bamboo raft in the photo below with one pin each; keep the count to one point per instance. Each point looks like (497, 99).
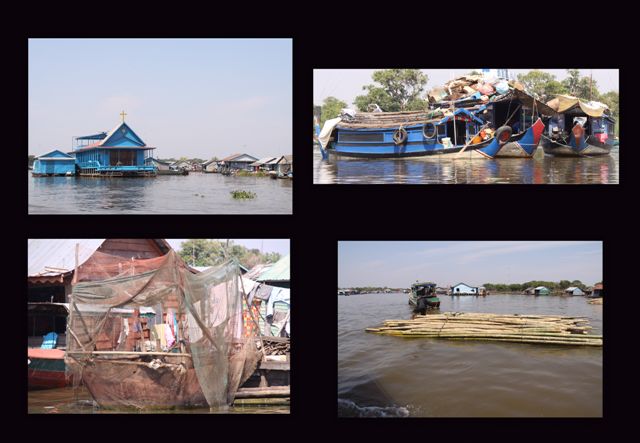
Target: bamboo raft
(539, 329)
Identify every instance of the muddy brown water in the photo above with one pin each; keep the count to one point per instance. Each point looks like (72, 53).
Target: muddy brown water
(66, 401)
(385, 376)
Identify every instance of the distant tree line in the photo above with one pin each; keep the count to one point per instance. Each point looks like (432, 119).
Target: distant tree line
(202, 252)
(518, 287)
(185, 159)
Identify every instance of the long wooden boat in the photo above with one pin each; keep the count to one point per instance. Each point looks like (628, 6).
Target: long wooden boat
(579, 128)
(383, 135)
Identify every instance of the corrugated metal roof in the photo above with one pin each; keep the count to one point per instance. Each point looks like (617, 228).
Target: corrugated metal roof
(58, 256)
(262, 161)
(278, 272)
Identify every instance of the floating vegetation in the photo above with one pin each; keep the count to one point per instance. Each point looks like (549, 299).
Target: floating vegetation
(239, 195)
(539, 329)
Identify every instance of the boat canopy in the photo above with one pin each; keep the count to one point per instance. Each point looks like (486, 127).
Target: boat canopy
(563, 103)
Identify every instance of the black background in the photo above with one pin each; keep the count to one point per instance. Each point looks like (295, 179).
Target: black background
(334, 35)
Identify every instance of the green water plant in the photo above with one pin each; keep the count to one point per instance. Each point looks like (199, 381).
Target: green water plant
(238, 195)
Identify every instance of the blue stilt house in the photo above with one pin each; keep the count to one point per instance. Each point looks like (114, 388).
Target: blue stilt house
(120, 153)
(54, 163)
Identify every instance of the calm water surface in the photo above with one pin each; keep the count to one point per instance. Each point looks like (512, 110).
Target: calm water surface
(392, 376)
(428, 170)
(64, 401)
(196, 193)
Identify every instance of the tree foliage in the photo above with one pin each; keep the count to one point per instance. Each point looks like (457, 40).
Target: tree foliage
(396, 90)
(331, 109)
(518, 287)
(203, 252)
(541, 83)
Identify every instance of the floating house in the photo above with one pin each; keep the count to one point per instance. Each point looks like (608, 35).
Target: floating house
(210, 166)
(54, 163)
(597, 290)
(275, 296)
(285, 165)
(278, 274)
(463, 289)
(573, 291)
(120, 153)
(541, 290)
(529, 291)
(265, 164)
(237, 161)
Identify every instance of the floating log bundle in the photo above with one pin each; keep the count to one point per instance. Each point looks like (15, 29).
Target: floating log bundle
(595, 301)
(539, 329)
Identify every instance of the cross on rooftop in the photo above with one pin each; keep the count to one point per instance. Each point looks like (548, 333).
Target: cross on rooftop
(122, 114)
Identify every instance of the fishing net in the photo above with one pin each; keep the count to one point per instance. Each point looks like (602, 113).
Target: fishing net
(153, 334)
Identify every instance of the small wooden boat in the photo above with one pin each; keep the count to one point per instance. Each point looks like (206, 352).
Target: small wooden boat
(46, 366)
(46, 369)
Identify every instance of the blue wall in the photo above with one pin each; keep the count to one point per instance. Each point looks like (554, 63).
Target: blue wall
(54, 166)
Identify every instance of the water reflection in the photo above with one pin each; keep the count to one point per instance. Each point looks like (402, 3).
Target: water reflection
(196, 193)
(542, 169)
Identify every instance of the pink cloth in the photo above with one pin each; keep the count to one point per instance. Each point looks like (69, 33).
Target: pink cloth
(167, 330)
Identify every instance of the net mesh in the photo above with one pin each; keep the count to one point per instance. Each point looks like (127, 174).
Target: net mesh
(152, 334)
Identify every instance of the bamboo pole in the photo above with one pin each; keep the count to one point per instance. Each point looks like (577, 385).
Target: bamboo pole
(542, 329)
(170, 354)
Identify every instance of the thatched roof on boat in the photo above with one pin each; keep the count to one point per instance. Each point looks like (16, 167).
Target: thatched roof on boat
(391, 119)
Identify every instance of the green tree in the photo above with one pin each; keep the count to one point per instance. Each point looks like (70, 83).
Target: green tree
(581, 87)
(397, 90)
(612, 100)
(543, 84)
(202, 252)
(535, 81)
(564, 284)
(571, 82)
(331, 109)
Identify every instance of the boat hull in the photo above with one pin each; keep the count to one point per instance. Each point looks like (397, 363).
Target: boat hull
(116, 386)
(523, 145)
(590, 147)
(485, 149)
(46, 369)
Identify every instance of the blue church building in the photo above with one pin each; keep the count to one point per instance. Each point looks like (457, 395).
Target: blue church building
(54, 163)
(119, 153)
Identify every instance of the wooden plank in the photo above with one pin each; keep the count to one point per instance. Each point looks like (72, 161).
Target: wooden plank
(273, 391)
(275, 365)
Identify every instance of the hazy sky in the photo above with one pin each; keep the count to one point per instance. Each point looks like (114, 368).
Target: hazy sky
(267, 244)
(399, 264)
(186, 97)
(346, 84)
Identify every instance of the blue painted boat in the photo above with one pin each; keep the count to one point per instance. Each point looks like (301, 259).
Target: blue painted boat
(407, 134)
(579, 129)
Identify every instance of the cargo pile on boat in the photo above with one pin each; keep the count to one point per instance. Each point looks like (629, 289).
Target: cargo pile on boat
(539, 329)
(470, 87)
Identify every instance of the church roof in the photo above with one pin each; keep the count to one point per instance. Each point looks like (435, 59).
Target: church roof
(121, 136)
